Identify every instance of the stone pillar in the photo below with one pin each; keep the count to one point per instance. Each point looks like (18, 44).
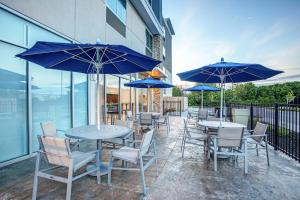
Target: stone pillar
(157, 46)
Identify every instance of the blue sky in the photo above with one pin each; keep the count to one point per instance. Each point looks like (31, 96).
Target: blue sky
(253, 31)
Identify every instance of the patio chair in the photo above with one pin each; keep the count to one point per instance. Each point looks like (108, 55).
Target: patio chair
(202, 115)
(194, 136)
(229, 142)
(258, 138)
(57, 153)
(145, 122)
(240, 116)
(136, 156)
(49, 129)
(129, 115)
(121, 141)
(163, 121)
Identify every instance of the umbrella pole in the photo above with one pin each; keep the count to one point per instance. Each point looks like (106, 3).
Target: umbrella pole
(222, 90)
(98, 121)
(148, 98)
(202, 99)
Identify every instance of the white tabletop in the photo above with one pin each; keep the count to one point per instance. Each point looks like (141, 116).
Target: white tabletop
(153, 113)
(217, 124)
(92, 133)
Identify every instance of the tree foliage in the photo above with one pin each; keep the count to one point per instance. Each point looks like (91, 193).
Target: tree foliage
(176, 92)
(250, 93)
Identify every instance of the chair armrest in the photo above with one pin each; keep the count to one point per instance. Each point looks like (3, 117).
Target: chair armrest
(60, 130)
(249, 136)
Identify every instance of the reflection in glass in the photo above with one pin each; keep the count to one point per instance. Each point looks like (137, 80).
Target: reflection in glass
(112, 98)
(13, 104)
(80, 99)
(52, 101)
(124, 98)
(143, 100)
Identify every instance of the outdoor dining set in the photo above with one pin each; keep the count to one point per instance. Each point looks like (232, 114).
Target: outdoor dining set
(219, 138)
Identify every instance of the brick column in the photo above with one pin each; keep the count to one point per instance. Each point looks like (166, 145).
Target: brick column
(157, 47)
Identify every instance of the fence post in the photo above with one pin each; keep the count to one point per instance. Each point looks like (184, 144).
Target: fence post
(180, 107)
(163, 107)
(251, 116)
(276, 127)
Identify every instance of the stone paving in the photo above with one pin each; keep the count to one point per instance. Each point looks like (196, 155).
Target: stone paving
(191, 177)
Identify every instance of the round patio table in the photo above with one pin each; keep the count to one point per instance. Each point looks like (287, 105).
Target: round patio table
(91, 132)
(154, 114)
(217, 124)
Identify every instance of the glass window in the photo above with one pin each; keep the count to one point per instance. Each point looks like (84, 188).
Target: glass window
(164, 52)
(125, 98)
(51, 99)
(80, 99)
(13, 29)
(149, 39)
(112, 98)
(118, 7)
(143, 100)
(13, 103)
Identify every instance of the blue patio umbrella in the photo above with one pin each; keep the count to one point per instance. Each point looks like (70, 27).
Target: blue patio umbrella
(148, 83)
(228, 72)
(202, 88)
(90, 59)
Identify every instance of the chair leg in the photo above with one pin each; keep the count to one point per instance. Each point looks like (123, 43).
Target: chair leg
(267, 152)
(36, 178)
(257, 150)
(215, 155)
(69, 183)
(246, 157)
(110, 168)
(143, 176)
(156, 165)
(98, 167)
(183, 148)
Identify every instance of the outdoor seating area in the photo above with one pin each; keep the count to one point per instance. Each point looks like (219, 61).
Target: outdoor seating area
(191, 177)
(95, 105)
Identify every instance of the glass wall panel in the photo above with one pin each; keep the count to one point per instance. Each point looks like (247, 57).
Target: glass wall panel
(80, 99)
(112, 98)
(13, 29)
(13, 103)
(143, 100)
(124, 98)
(51, 99)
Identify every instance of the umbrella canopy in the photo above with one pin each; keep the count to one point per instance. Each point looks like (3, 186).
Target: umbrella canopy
(89, 59)
(148, 83)
(228, 72)
(202, 88)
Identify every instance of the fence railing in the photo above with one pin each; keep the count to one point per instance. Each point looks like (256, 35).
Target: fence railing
(172, 107)
(284, 125)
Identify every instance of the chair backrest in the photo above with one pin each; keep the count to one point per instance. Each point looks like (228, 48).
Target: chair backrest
(129, 115)
(57, 150)
(127, 123)
(48, 129)
(146, 118)
(202, 114)
(230, 137)
(240, 116)
(260, 129)
(186, 129)
(146, 142)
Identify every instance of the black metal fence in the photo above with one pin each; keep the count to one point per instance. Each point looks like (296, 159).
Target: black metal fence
(172, 107)
(284, 124)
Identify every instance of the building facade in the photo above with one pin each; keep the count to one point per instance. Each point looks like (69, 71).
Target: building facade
(30, 94)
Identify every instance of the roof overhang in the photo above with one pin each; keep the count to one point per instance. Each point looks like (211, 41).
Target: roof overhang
(145, 11)
(157, 73)
(169, 26)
